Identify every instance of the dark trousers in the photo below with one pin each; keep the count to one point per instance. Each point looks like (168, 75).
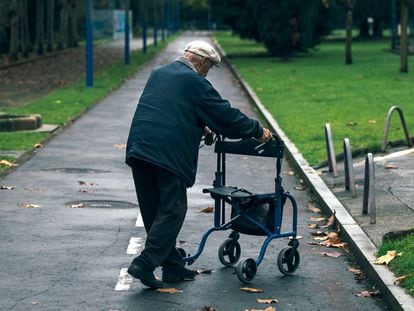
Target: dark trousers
(162, 198)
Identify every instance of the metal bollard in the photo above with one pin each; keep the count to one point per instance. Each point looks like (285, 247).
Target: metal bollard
(349, 168)
(330, 150)
(368, 203)
(387, 127)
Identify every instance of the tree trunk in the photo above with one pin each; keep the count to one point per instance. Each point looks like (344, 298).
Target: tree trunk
(348, 44)
(50, 21)
(404, 37)
(72, 38)
(40, 6)
(364, 28)
(14, 30)
(24, 28)
(63, 24)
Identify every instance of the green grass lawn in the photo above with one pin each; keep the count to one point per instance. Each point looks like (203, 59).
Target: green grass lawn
(402, 265)
(64, 104)
(316, 88)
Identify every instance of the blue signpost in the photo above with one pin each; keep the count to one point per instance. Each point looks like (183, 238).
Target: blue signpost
(89, 45)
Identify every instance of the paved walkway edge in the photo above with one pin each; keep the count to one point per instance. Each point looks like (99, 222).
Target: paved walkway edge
(360, 245)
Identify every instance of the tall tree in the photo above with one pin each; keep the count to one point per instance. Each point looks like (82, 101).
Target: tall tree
(50, 22)
(14, 13)
(24, 29)
(72, 38)
(63, 6)
(40, 21)
(404, 37)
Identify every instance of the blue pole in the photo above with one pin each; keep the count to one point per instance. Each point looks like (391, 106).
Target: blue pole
(89, 46)
(127, 49)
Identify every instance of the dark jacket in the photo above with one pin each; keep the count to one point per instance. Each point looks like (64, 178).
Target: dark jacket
(169, 120)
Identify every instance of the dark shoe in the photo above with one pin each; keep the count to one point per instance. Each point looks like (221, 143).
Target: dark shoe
(146, 277)
(178, 274)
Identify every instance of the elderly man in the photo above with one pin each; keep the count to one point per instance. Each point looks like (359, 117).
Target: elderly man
(176, 106)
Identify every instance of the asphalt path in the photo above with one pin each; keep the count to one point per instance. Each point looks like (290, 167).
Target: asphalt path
(58, 255)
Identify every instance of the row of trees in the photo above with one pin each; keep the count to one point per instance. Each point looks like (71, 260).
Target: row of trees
(53, 25)
(289, 26)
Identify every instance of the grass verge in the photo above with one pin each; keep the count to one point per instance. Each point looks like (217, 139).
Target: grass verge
(402, 265)
(316, 88)
(63, 105)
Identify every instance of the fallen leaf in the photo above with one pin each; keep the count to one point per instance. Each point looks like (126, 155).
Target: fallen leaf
(372, 121)
(400, 279)
(313, 208)
(204, 271)
(291, 173)
(367, 293)
(251, 290)
(80, 205)
(331, 254)
(387, 258)
(209, 209)
(120, 146)
(351, 123)
(331, 220)
(207, 309)
(7, 163)
(312, 218)
(268, 301)
(38, 146)
(171, 290)
(7, 187)
(267, 309)
(28, 205)
(390, 166)
(300, 188)
(313, 226)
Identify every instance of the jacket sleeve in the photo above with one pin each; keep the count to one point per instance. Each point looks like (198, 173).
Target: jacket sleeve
(219, 116)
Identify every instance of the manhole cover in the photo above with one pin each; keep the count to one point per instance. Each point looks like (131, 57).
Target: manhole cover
(101, 204)
(76, 170)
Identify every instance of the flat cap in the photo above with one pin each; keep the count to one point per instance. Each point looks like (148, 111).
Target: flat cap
(203, 49)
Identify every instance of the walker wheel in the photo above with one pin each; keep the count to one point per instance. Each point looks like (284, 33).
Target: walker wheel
(246, 270)
(288, 260)
(229, 252)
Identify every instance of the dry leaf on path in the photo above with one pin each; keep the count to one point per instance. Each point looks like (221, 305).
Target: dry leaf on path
(331, 254)
(28, 205)
(400, 279)
(207, 309)
(367, 293)
(319, 233)
(318, 219)
(390, 166)
(313, 208)
(313, 226)
(7, 163)
(208, 209)
(268, 301)
(251, 290)
(387, 258)
(171, 290)
(38, 146)
(7, 187)
(331, 221)
(267, 309)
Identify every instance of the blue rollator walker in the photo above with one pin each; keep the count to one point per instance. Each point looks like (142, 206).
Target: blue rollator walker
(251, 213)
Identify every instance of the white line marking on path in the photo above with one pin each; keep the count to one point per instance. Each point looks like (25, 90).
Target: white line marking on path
(135, 246)
(124, 280)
